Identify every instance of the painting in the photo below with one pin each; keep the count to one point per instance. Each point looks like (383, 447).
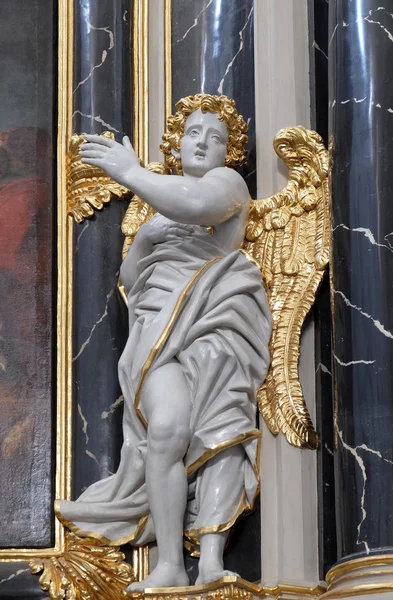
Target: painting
(28, 287)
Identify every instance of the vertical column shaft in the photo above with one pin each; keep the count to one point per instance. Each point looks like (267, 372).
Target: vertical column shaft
(361, 126)
(102, 90)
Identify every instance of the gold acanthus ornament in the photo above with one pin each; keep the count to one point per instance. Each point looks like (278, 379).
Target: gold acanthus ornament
(86, 570)
(287, 236)
(88, 188)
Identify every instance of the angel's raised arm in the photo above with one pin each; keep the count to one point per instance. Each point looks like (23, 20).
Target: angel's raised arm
(209, 200)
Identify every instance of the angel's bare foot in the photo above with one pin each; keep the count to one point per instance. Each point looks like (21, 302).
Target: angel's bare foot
(164, 575)
(212, 572)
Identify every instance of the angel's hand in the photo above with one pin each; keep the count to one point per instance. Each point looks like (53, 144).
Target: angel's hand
(117, 160)
(160, 229)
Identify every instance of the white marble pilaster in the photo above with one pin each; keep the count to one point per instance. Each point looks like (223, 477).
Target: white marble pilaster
(288, 475)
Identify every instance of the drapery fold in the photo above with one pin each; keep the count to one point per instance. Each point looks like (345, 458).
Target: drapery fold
(208, 310)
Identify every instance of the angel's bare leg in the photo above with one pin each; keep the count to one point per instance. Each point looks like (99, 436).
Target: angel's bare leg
(221, 492)
(166, 405)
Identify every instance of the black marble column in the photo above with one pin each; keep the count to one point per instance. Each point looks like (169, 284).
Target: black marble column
(102, 88)
(361, 125)
(319, 92)
(213, 52)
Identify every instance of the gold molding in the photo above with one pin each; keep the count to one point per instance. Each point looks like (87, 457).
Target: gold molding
(64, 294)
(292, 592)
(140, 556)
(167, 60)
(228, 588)
(141, 79)
(352, 577)
(225, 588)
(140, 562)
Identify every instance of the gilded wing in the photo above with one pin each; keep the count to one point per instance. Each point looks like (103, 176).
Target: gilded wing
(288, 235)
(88, 187)
(138, 211)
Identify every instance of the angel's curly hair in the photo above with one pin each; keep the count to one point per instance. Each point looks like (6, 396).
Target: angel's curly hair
(226, 111)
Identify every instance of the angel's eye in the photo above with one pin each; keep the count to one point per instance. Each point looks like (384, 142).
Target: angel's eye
(193, 132)
(216, 138)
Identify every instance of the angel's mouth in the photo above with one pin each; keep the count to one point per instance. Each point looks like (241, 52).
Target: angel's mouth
(200, 154)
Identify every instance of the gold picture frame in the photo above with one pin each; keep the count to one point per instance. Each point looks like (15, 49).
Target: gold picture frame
(63, 370)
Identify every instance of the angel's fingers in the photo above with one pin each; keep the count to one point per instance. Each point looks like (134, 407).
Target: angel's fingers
(100, 139)
(91, 154)
(90, 146)
(94, 162)
(126, 143)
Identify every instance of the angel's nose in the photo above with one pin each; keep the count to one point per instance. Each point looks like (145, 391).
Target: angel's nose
(202, 140)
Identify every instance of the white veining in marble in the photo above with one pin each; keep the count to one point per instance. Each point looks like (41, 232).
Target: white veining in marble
(376, 323)
(369, 20)
(360, 461)
(250, 174)
(356, 100)
(333, 34)
(361, 464)
(323, 368)
(95, 118)
(85, 424)
(195, 23)
(352, 362)
(125, 15)
(376, 452)
(367, 233)
(86, 225)
(105, 414)
(104, 54)
(93, 456)
(103, 316)
(317, 47)
(13, 575)
(388, 235)
(329, 449)
(241, 44)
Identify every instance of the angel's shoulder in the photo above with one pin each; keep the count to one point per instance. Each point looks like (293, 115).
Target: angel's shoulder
(231, 178)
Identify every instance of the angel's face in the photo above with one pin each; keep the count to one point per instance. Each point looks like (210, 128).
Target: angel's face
(203, 146)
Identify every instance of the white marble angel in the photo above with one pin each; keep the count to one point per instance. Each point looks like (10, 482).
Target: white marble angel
(197, 351)
(199, 328)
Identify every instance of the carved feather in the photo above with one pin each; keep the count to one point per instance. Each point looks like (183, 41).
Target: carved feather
(88, 187)
(288, 235)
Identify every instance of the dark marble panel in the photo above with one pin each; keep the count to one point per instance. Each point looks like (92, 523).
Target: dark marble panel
(327, 551)
(102, 74)
(16, 581)
(361, 122)
(213, 52)
(102, 90)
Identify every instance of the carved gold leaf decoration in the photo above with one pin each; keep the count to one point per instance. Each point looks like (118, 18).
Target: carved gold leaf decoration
(288, 235)
(138, 211)
(88, 187)
(86, 570)
(230, 587)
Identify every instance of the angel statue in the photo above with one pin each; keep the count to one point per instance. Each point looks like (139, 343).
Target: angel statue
(199, 329)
